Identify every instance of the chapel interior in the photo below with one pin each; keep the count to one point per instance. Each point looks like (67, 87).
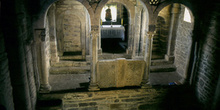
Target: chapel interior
(109, 55)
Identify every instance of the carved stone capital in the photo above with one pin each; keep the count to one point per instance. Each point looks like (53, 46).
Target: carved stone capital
(43, 35)
(150, 34)
(94, 31)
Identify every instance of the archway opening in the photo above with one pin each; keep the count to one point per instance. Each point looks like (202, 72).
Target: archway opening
(68, 40)
(114, 28)
(172, 44)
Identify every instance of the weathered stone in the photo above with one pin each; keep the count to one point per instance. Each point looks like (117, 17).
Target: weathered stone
(130, 75)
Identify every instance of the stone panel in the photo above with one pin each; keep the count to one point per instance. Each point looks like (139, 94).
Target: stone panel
(120, 73)
(106, 73)
(135, 71)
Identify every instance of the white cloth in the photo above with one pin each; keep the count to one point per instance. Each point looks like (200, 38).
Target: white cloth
(112, 31)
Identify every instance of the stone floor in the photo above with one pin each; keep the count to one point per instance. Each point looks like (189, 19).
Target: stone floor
(159, 96)
(164, 78)
(130, 98)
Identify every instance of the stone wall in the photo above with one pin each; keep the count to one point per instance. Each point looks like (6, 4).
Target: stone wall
(207, 67)
(183, 44)
(6, 100)
(18, 37)
(72, 33)
(71, 18)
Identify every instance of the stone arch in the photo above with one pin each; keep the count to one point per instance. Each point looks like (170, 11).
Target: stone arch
(180, 41)
(42, 25)
(40, 18)
(130, 8)
(183, 2)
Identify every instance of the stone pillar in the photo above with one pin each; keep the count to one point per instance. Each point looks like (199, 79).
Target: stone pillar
(137, 31)
(94, 53)
(99, 44)
(172, 33)
(52, 34)
(147, 58)
(44, 83)
(130, 38)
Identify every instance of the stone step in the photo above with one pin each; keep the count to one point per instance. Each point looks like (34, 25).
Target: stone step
(156, 49)
(162, 68)
(114, 56)
(70, 64)
(160, 62)
(156, 45)
(70, 70)
(156, 38)
(74, 57)
(156, 41)
(156, 56)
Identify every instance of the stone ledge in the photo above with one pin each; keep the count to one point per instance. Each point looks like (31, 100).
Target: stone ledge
(70, 70)
(162, 68)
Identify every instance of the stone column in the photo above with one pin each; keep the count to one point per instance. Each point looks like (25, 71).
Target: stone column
(137, 30)
(172, 32)
(99, 44)
(147, 58)
(52, 34)
(94, 57)
(44, 82)
(130, 37)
